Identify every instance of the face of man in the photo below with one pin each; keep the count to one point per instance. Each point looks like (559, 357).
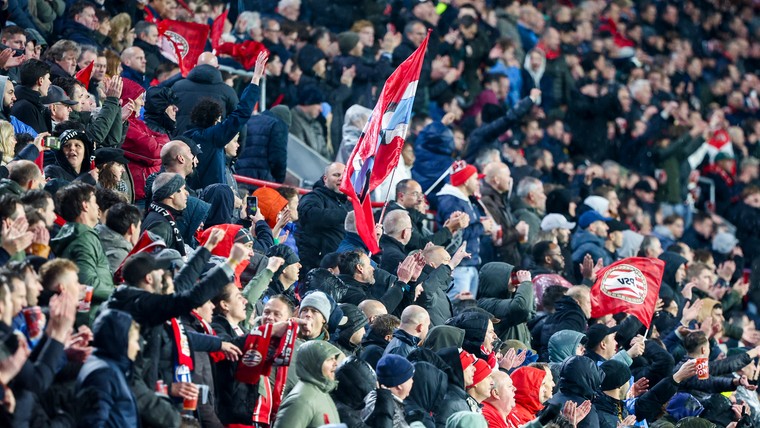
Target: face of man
(314, 322)
(9, 96)
(274, 311)
(86, 58)
(557, 261)
(33, 286)
(136, 61)
(677, 228)
(99, 69)
(617, 238)
(334, 176)
(16, 41)
(44, 84)
(48, 213)
(490, 337)
(133, 345)
(180, 199)
(411, 197)
(417, 35)
(329, 367)
(18, 297)
(538, 199)
(69, 62)
(367, 274)
(504, 180)
(206, 311)
(290, 273)
(472, 185)
(150, 36)
(547, 387)
(402, 391)
(80, 96)
(469, 374)
(610, 346)
(87, 18)
(599, 228)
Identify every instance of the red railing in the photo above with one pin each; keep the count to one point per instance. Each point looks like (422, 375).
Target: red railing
(263, 183)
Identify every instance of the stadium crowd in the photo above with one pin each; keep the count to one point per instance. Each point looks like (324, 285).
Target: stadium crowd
(142, 285)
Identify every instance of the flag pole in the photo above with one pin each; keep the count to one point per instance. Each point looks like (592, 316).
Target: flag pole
(387, 196)
(445, 173)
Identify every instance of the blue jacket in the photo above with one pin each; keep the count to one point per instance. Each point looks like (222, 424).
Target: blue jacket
(211, 163)
(102, 383)
(265, 153)
(451, 199)
(584, 242)
(135, 76)
(434, 151)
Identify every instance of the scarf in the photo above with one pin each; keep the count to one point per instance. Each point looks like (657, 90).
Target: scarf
(179, 244)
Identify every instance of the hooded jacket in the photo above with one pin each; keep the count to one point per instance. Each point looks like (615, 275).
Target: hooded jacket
(527, 382)
(452, 199)
(568, 315)
(211, 162)
(202, 81)
(19, 127)
(435, 282)
(426, 394)
(355, 379)
(444, 336)
(265, 153)
(475, 326)
(456, 399)
(58, 166)
(222, 201)
(513, 309)
(579, 380)
(673, 262)
(309, 403)
(157, 100)
(321, 217)
(102, 382)
(434, 152)
(562, 345)
(584, 242)
(80, 243)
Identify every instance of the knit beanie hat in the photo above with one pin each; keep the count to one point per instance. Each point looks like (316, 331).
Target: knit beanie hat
(482, 371)
(270, 204)
(616, 374)
(283, 113)
(318, 301)
(461, 172)
(347, 40)
(168, 188)
(466, 359)
(353, 320)
(393, 370)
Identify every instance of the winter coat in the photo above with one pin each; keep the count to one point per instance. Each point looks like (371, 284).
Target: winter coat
(29, 109)
(382, 408)
(426, 394)
(265, 153)
(58, 166)
(153, 57)
(357, 292)
(420, 236)
(456, 399)
(80, 244)
(434, 152)
(157, 224)
(115, 246)
(527, 382)
(44, 13)
(104, 128)
(435, 283)
(444, 336)
(310, 131)
(202, 81)
(82, 35)
(135, 76)
(321, 215)
(355, 379)
(497, 205)
(672, 159)
(402, 343)
(579, 380)
(452, 199)
(584, 242)
(528, 214)
(142, 146)
(102, 382)
(393, 253)
(373, 347)
(513, 309)
(211, 162)
(309, 403)
(475, 326)
(568, 315)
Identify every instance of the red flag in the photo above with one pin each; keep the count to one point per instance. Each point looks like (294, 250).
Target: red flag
(184, 40)
(84, 75)
(245, 53)
(149, 17)
(148, 243)
(379, 147)
(217, 28)
(630, 285)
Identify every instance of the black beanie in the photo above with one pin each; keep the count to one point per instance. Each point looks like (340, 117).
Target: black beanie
(616, 374)
(355, 320)
(284, 252)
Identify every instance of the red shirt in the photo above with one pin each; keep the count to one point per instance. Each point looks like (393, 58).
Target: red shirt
(493, 417)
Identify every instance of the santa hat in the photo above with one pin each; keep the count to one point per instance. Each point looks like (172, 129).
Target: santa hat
(461, 172)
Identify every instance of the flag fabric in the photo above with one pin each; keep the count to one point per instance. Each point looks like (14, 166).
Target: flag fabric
(378, 150)
(84, 75)
(217, 28)
(630, 285)
(182, 42)
(245, 53)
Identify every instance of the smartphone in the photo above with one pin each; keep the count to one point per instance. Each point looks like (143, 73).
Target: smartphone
(252, 206)
(52, 143)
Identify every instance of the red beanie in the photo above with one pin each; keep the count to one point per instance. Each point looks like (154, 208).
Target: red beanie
(482, 371)
(466, 359)
(461, 172)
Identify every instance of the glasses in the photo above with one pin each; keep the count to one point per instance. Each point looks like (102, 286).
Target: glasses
(415, 194)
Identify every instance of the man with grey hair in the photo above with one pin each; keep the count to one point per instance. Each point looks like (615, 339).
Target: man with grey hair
(168, 203)
(146, 38)
(530, 205)
(289, 10)
(397, 228)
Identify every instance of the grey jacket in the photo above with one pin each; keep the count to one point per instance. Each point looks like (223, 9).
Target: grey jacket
(114, 245)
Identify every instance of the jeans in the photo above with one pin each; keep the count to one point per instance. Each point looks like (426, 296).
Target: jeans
(465, 279)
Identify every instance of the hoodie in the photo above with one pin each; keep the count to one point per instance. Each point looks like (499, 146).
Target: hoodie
(513, 309)
(456, 399)
(426, 394)
(584, 242)
(527, 382)
(355, 379)
(221, 201)
(309, 403)
(444, 336)
(673, 262)
(475, 326)
(579, 380)
(102, 386)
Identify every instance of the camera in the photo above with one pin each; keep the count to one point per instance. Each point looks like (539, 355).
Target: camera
(52, 143)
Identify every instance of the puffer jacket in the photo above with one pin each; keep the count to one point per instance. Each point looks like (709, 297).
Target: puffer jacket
(309, 403)
(356, 380)
(527, 382)
(202, 81)
(102, 385)
(452, 199)
(80, 243)
(211, 162)
(321, 214)
(265, 153)
(579, 380)
(434, 152)
(513, 309)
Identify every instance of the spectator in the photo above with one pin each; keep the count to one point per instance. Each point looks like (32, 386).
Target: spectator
(415, 322)
(495, 190)
(146, 38)
(133, 65)
(305, 124)
(120, 233)
(264, 155)
(9, 98)
(24, 176)
(530, 205)
(168, 203)
(83, 25)
(571, 313)
(34, 83)
(590, 238)
(72, 161)
(377, 338)
(62, 58)
(513, 305)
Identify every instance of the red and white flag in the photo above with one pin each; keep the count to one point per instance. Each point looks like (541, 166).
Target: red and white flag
(630, 285)
(182, 42)
(379, 147)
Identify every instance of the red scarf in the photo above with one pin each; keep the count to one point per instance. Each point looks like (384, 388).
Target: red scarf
(184, 356)
(216, 356)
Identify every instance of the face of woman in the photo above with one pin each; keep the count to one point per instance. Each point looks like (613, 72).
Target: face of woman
(74, 152)
(117, 169)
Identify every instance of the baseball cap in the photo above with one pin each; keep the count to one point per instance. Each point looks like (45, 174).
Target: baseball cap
(556, 221)
(596, 334)
(590, 217)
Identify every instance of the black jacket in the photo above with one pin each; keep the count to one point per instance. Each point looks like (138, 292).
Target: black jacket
(513, 309)
(57, 166)
(402, 343)
(156, 223)
(393, 253)
(358, 292)
(456, 398)
(355, 381)
(373, 347)
(153, 57)
(202, 81)
(435, 284)
(29, 109)
(580, 378)
(426, 394)
(567, 316)
(322, 214)
(420, 237)
(265, 152)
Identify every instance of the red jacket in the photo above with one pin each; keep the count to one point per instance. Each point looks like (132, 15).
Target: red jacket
(142, 146)
(493, 417)
(527, 382)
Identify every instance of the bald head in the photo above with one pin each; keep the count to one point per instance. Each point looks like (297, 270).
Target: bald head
(498, 176)
(134, 58)
(413, 315)
(436, 255)
(582, 296)
(333, 176)
(503, 393)
(208, 58)
(372, 309)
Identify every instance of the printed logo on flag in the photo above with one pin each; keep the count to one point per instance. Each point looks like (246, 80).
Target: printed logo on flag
(182, 46)
(625, 282)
